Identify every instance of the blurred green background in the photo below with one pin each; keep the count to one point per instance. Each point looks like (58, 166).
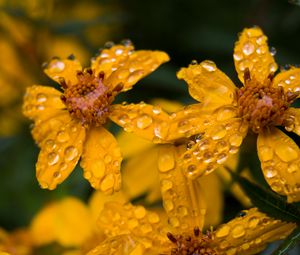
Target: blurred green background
(186, 30)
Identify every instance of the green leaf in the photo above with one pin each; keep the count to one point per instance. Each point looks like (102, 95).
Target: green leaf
(269, 202)
(290, 242)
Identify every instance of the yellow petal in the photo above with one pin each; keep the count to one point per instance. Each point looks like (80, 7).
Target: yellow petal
(289, 79)
(63, 68)
(101, 160)
(131, 144)
(138, 65)
(292, 123)
(212, 193)
(152, 123)
(119, 245)
(60, 152)
(111, 59)
(41, 102)
(118, 219)
(167, 105)
(252, 51)
(280, 162)
(182, 197)
(212, 149)
(208, 84)
(249, 234)
(99, 199)
(139, 180)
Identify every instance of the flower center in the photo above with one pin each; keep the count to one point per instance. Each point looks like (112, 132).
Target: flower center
(262, 104)
(89, 99)
(191, 244)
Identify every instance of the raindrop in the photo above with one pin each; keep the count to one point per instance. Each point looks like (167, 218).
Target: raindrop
(286, 153)
(194, 62)
(41, 98)
(109, 45)
(248, 48)
(166, 185)
(166, 162)
(139, 212)
(53, 158)
(209, 66)
(238, 231)
(62, 136)
(144, 121)
(273, 51)
(265, 153)
(168, 205)
(70, 153)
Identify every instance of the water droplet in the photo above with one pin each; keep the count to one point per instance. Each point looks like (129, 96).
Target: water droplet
(126, 42)
(292, 168)
(253, 222)
(87, 175)
(265, 153)
(107, 159)
(118, 51)
(144, 121)
(223, 231)
(109, 44)
(194, 62)
(132, 223)
(276, 186)
(209, 66)
(43, 185)
(63, 167)
(156, 110)
(221, 158)
(62, 136)
(273, 51)
(41, 98)
(166, 162)
(70, 153)
(108, 182)
(166, 185)
(168, 205)
(248, 48)
(135, 76)
(182, 211)
(153, 217)
(57, 66)
(98, 168)
(174, 222)
(52, 158)
(273, 67)
(49, 145)
(218, 132)
(139, 212)
(56, 175)
(224, 245)
(260, 40)
(225, 113)
(235, 140)
(123, 74)
(237, 56)
(238, 231)
(270, 172)
(146, 228)
(286, 153)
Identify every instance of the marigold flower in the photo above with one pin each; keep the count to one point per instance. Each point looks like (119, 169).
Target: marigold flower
(70, 124)
(217, 126)
(134, 230)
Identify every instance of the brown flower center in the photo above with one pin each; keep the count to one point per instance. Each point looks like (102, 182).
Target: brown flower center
(262, 104)
(89, 99)
(191, 244)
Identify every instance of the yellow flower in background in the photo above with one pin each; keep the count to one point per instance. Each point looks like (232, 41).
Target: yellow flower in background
(217, 126)
(69, 125)
(134, 230)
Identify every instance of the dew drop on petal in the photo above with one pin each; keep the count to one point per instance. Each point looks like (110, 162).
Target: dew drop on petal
(209, 66)
(41, 98)
(223, 231)
(166, 185)
(248, 48)
(52, 158)
(108, 182)
(166, 162)
(237, 56)
(146, 228)
(270, 172)
(139, 212)
(219, 132)
(62, 136)
(87, 175)
(49, 145)
(253, 222)
(273, 51)
(238, 231)
(168, 205)
(70, 153)
(273, 67)
(144, 121)
(174, 222)
(292, 168)
(57, 66)
(153, 217)
(235, 140)
(56, 175)
(182, 211)
(266, 153)
(286, 153)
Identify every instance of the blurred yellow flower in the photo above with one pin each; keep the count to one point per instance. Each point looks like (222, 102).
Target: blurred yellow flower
(134, 230)
(217, 126)
(70, 124)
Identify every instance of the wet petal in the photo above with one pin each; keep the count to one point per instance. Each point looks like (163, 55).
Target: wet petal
(117, 219)
(60, 152)
(41, 102)
(152, 123)
(249, 234)
(147, 121)
(182, 197)
(252, 51)
(289, 80)
(139, 180)
(292, 120)
(212, 149)
(63, 68)
(280, 162)
(101, 160)
(138, 65)
(119, 245)
(109, 60)
(207, 84)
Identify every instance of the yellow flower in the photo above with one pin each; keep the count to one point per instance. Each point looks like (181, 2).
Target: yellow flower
(61, 221)
(70, 124)
(217, 126)
(134, 230)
